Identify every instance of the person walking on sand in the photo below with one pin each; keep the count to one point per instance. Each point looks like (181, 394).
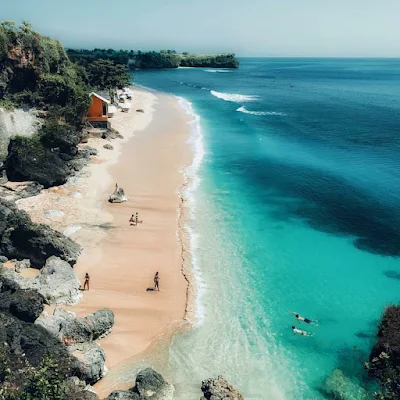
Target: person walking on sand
(116, 186)
(300, 332)
(86, 283)
(157, 281)
(300, 318)
(132, 220)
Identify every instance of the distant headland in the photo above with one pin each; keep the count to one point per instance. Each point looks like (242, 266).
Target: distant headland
(154, 59)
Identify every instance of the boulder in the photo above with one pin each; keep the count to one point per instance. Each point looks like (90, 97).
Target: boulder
(22, 239)
(3, 259)
(118, 196)
(152, 386)
(67, 328)
(108, 147)
(56, 282)
(219, 389)
(123, 395)
(91, 361)
(26, 305)
(79, 390)
(339, 386)
(22, 265)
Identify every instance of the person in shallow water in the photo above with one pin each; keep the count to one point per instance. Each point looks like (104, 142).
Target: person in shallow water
(300, 318)
(300, 332)
(156, 281)
(86, 283)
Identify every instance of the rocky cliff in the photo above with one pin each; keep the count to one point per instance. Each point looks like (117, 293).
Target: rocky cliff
(16, 122)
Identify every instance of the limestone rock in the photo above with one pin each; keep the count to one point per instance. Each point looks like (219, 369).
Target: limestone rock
(108, 147)
(26, 305)
(56, 282)
(91, 361)
(66, 327)
(22, 239)
(22, 265)
(219, 389)
(118, 196)
(123, 395)
(15, 191)
(339, 386)
(152, 386)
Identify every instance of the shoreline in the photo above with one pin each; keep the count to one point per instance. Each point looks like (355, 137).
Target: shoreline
(95, 228)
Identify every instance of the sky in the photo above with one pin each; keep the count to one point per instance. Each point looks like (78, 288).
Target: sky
(275, 28)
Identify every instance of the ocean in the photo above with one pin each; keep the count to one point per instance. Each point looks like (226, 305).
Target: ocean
(295, 206)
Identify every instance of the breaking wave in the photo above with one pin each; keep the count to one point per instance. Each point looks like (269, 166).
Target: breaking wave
(235, 98)
(245, 111)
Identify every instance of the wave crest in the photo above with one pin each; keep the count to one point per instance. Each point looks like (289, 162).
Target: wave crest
(235, 98)
(244, 110)
(217, 70)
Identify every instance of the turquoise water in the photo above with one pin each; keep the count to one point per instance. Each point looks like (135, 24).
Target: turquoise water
(296, 207)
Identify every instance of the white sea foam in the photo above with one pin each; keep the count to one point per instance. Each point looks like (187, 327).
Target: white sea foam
(217, 70)
(235, 98)
(245, 111)
(192, 181)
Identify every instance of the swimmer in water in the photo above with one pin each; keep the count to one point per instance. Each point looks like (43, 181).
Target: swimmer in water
(300, 332)
(300, 318)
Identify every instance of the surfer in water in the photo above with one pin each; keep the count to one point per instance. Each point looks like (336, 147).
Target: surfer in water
(300, 318)
(300, 332)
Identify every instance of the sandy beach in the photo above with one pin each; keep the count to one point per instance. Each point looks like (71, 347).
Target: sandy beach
(122, 259)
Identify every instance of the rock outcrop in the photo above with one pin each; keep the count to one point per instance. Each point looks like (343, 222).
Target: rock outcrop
(150, 385)
(22, 239)
(384, 360)
(67, 328)
(15, 191)
(91, 357)
(56, 283)
(26, 305)
(219, 389)
(16, 122)
(29, 339)
(118, 196)
(123, 395)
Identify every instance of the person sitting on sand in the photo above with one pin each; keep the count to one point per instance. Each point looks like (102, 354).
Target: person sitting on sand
(132, 220)
(86, 283)
(157, 281)
(300, 318)
(300, 332)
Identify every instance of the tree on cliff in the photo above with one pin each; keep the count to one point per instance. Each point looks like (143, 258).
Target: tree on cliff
(105, 74)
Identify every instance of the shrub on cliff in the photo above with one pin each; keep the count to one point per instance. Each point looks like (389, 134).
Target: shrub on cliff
(384, 362)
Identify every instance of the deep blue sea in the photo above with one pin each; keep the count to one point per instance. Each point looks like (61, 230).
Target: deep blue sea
(296, 208)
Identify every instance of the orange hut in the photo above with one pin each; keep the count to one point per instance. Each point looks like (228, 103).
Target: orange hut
(98, 110)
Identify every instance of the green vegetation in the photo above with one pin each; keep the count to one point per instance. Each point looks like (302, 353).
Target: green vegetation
(105, 74)
(153, 59)
(46, 382)
(209, 61)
